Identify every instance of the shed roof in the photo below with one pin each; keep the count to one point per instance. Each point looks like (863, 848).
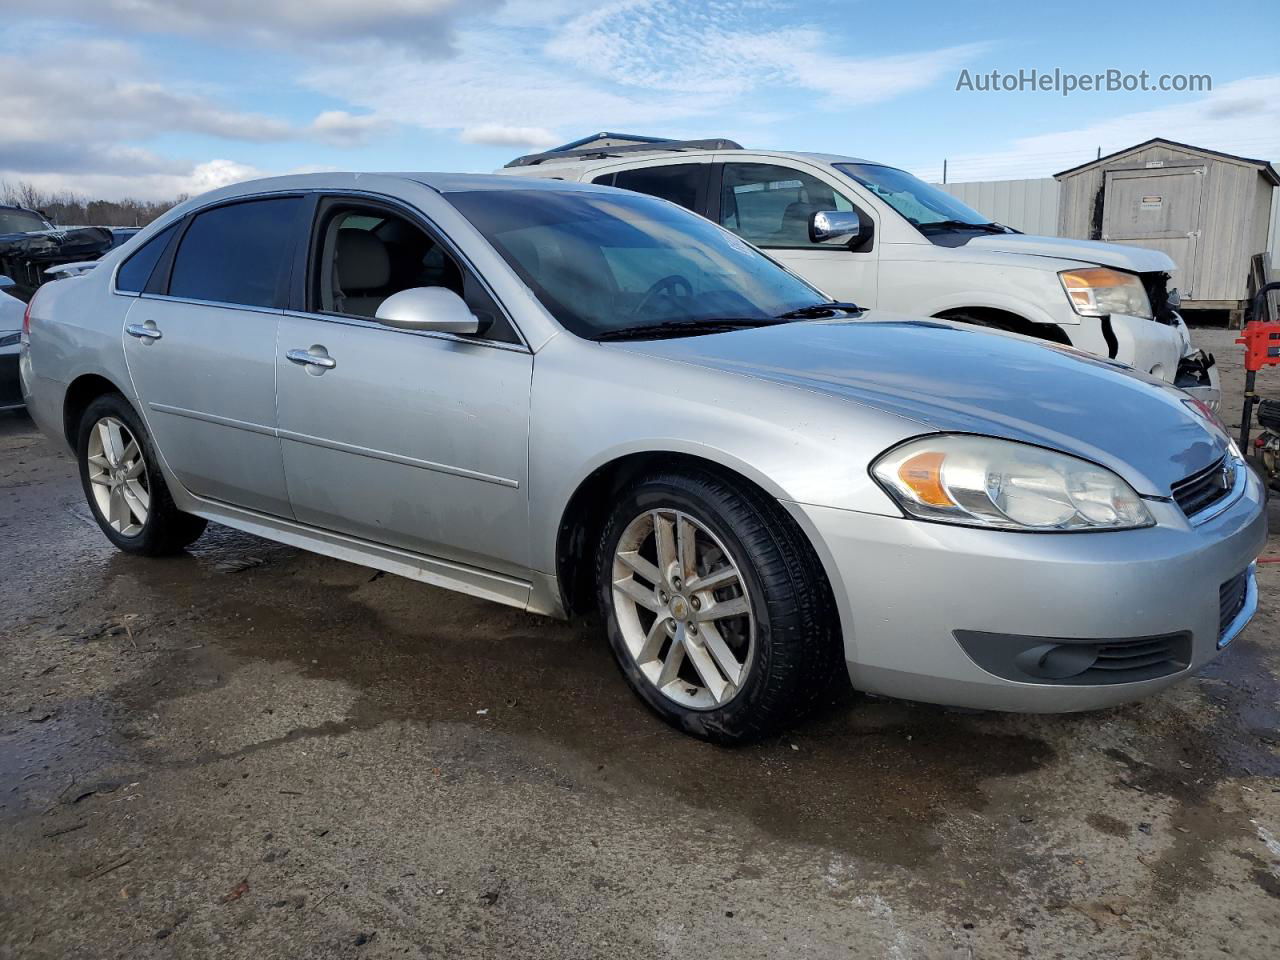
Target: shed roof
(1264, 167)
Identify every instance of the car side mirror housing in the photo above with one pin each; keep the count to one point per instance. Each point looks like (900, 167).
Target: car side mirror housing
(429, 308)
(828, 225)
(7, 283)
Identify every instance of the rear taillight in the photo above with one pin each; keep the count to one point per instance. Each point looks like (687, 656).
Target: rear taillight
(26, 319)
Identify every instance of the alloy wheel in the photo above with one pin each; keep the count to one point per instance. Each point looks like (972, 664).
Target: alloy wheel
(118, 476)
(683, 609)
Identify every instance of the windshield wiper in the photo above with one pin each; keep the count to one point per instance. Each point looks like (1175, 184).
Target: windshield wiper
(691, 327)
(816, 310)
(991, 227)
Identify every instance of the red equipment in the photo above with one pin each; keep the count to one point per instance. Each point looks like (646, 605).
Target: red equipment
(1261, 348)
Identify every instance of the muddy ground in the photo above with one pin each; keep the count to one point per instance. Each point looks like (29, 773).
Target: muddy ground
(250, 751)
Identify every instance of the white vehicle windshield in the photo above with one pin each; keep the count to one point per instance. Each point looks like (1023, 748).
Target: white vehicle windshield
(920, 203)
(608, 264)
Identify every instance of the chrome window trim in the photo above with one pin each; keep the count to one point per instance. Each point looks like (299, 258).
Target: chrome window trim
(219, 304)
(367, 324)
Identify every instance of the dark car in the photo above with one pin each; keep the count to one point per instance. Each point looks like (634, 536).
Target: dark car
(30, 244)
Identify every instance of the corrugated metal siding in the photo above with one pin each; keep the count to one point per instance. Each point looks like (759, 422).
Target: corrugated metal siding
(1027, 205)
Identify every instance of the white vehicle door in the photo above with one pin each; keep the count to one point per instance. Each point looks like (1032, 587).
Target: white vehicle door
(769, 204)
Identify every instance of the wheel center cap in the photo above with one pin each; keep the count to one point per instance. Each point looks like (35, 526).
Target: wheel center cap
(679, 608)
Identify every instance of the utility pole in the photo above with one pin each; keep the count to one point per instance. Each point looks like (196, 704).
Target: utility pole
(944, 170)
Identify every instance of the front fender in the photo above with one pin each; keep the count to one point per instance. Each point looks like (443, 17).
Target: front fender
(594, 404)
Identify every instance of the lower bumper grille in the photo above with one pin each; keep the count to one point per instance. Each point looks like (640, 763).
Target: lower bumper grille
(1077, 662)
(1232, 597)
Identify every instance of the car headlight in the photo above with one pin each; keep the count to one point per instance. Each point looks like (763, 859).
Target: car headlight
(10, 339)
(1099, 291)
(984, 482)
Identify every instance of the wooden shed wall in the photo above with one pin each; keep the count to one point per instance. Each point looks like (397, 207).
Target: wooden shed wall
(1234, 214)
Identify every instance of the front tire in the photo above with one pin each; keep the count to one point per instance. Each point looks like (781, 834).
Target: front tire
(120, 473)
(716, 608)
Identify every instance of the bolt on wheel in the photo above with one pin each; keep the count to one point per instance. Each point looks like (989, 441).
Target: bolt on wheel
(683, 609)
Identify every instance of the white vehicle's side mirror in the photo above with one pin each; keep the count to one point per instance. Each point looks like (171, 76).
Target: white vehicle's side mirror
(834, 225)
(7, 283)
(428, 308)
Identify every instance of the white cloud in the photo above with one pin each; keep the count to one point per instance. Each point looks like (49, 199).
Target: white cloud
(725, 51)
(1242, 117)
(423, 24)
(346, 129)
(501, 135)
(654, 63)
(140, 183)
(76, 128)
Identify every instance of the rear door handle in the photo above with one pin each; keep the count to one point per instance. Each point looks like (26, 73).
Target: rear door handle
(146, 332)
(307, 358)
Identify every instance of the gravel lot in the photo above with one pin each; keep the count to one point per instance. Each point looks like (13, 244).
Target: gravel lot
(254, 752)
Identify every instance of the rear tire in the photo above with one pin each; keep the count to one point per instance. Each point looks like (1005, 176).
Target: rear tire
(120, 473)
(718, 612)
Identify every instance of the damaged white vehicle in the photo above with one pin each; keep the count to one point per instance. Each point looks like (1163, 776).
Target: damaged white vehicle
(879, 237)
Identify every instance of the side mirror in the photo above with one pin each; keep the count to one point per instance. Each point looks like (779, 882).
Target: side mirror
(428, 308)
(7, 283)
(834, 225)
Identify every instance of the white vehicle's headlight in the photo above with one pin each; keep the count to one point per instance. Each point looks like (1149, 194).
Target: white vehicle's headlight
(985, 482)
(1099, 291)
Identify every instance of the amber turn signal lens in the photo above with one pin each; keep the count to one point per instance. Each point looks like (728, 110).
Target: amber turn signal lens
(923, 474)
(1095, 277)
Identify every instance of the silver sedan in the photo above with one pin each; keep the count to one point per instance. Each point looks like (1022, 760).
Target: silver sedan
(570, 399)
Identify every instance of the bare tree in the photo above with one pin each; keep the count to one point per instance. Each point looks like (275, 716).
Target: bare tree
(71, 209)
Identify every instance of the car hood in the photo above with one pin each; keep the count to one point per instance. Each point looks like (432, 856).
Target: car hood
(947, 377)
(1137, 259)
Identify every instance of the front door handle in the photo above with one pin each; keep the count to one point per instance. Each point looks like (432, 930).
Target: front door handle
(146, 332)
(316, 360)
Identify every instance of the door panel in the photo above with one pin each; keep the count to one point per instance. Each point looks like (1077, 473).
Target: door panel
(207, 386)
(418, 441)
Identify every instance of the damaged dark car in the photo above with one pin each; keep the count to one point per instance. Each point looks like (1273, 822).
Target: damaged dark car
(30, 245)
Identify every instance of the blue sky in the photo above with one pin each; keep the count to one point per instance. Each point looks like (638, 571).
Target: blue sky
(157, 97)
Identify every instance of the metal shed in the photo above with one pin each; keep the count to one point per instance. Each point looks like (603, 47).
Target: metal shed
(1210, 211)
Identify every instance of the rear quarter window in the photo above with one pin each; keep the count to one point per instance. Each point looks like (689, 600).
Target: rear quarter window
(135, 272)
(238, 253)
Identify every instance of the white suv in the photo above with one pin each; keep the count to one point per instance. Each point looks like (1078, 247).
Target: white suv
(878, 236)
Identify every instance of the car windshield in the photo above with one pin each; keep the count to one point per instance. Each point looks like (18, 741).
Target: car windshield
(21, 221)
(922, 204)
(611, 263)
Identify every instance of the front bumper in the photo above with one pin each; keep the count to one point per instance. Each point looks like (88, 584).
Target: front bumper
(905, 587)
(1164, 350)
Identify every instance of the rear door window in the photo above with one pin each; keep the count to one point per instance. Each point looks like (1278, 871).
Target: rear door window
(682, 183)
(239, 253)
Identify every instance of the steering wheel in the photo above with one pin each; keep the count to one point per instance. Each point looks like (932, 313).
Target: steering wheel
(667, 285)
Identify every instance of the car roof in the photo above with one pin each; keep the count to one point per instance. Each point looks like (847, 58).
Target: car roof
(459, 182)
